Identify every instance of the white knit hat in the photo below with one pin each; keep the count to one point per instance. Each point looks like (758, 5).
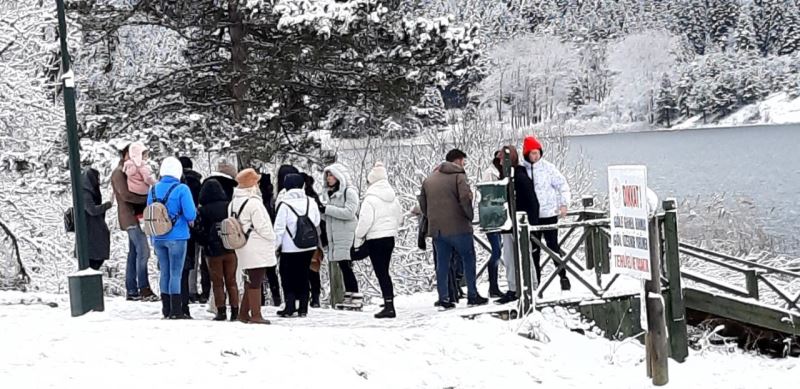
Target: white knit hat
(171, 167)
(377, 173)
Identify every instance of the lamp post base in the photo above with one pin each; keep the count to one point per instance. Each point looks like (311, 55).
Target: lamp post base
(86, 292)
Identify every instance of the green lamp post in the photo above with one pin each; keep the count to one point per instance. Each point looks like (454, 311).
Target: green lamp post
(85, 286)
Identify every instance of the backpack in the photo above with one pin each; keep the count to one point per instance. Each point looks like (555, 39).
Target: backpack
(69, 220)
(231, 231)
(305, 234)
(157, 221)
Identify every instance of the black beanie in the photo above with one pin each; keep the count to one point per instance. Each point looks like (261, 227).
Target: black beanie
(293, 181)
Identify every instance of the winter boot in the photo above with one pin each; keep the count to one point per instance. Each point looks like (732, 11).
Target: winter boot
(289, 308)
(315, 301)
(509, 297)
(275, 291)
(176, 308)
(234, 313)
(357, 300)
(221, 314)
(477, 300)
(244, 308)
(388, 310)
(446, 305)
(147, 295)
(565, 284)
(302, 311)
(165, 308)
(255, 307)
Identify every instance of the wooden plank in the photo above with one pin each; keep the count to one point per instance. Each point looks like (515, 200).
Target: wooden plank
(721, 285)
(676, 308)
(754, 313)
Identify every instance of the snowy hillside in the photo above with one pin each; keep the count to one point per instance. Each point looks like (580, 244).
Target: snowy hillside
(128, 346)
(779, 108)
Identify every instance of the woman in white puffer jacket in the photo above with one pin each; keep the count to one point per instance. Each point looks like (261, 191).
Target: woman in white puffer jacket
(378, 224)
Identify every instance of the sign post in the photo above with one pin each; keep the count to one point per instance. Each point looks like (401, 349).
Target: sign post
(635, 252)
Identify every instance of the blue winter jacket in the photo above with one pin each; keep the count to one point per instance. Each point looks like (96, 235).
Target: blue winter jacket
(180, 202)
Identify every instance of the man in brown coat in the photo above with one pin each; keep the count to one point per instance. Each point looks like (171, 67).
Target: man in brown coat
(446, 200)
(137, 283)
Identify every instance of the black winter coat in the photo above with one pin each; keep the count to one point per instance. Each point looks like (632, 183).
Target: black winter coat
(228, 185)
(213, 210)
(99, 237)
(526, 195)
(194, 181)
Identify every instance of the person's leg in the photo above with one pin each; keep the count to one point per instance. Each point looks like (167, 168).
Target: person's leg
(256, 279)
(131, 287)
(217, 273)
(142, 256)
(229, 275)
(301, 281)
(205, 281)
(466, 250)
(316, 287)
(162, 254)
(177, 257)
(444, 251)
(380, 254)
(289, 299)
(537, 254)
(274, 285)
(350, 282)
(496, 243)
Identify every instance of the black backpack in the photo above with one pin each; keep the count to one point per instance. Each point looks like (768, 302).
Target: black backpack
(305, 235)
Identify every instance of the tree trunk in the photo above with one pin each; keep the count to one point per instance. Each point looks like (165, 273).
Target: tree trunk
(238, 60)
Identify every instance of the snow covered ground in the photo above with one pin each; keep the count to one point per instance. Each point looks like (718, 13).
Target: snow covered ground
(129, 346)
(778, 108)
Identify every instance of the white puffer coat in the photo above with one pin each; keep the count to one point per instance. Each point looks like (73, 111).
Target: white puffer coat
(381, 214)
(260, 248)
(551, 187)
(286, 220)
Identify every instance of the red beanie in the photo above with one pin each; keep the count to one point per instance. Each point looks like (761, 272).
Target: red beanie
(529, 144)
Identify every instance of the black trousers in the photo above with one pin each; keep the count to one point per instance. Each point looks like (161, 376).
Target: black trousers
(315, 283)
(350, 282)
(380, 254)
(273, 284)
(551, 241)
(294, 274)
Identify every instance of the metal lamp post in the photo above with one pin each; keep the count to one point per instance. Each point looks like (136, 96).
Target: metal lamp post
(85, 286)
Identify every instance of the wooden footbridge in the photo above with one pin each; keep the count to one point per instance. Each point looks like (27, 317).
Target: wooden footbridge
(696, 283)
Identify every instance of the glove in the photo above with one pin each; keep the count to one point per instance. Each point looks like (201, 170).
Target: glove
(107, 205)
(322, 209)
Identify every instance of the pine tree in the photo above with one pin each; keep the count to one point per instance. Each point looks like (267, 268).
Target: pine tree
(750, 87)
(768, 19)
(745, 33)
(665, 102)
(790, 37)
(575, 98)
(721, 19)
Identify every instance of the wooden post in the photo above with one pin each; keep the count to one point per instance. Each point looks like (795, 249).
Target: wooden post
(678, 337)
(751, 280)
(529, 282)
(512, 207)
(336, 283)
(656, 339)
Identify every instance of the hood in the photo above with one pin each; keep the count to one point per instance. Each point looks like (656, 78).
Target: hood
(377, 173)
(212, 192)
(294, 194)
(171, 167)
(450, 168)
(135, 152)
(91, 183)
(191, 174)
(284, 171)
(340, 172)
(382, 190)
(252, 191)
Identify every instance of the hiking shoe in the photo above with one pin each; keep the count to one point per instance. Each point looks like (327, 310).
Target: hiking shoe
(477, 300)
(509, 297)
(446, 305)
(133, 297)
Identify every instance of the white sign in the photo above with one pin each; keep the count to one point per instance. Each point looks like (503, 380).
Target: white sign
(630, 239)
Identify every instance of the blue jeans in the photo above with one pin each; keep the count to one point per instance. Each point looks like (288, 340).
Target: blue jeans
(496, 242)
(138, 254)
(171, 256)
(445, 246)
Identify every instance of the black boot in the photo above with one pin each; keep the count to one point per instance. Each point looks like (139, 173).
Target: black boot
(315, 301)
(477, 300)
(221, 314)
(165, 308)
(289, 309)
(303, 310)
(234, 313)
(275, 291)
(509, 297)
(494, 290)
(565, 284)
(176, 308)
(388, 310)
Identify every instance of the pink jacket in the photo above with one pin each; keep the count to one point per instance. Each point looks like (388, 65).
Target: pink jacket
(138, 173)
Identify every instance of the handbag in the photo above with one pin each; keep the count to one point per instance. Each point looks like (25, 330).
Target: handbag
(316, 260)
(357, 254)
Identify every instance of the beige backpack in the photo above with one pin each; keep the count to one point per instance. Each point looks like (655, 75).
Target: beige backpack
(231, 231)
(157, 221)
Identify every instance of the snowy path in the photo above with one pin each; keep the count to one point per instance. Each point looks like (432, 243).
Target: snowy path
(128, 346)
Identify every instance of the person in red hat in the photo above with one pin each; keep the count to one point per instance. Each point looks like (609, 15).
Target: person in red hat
(553, 193)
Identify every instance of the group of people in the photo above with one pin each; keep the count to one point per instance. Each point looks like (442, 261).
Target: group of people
(342, 222)
(347, 227)
(446, 207)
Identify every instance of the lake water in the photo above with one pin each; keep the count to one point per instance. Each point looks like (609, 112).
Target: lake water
(759, 163)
